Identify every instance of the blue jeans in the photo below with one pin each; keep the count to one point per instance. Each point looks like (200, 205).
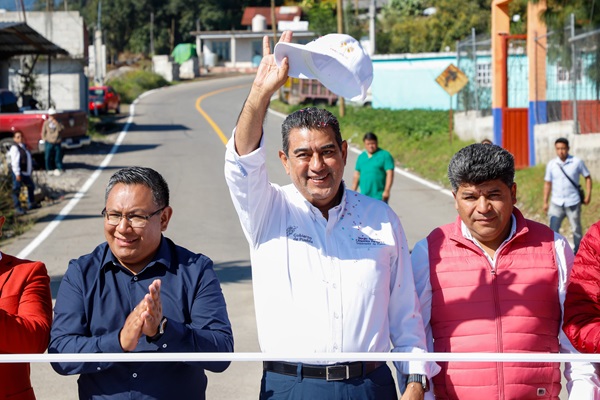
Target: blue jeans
(53, 156)
(558, 213)
(378, 385)
(16, 190)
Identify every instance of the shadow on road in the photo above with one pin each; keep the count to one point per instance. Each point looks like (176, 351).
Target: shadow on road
(233, 271)
(54, 285)
(157, 128)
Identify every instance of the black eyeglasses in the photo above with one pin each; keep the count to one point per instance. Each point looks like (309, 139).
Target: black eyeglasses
(136, 221)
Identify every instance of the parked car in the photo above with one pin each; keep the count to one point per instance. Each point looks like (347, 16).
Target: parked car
(104, 99)
(30, 124)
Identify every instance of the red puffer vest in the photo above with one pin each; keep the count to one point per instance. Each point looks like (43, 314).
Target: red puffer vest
(514, 310)
(581, 305)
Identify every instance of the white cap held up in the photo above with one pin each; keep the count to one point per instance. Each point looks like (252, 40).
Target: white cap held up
(336, 60)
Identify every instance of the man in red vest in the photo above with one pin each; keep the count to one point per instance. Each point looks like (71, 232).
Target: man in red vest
(495, 282)
(25, 318)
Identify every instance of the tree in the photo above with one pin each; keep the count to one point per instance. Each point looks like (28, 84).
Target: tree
(557, 17)
(407, 29)
(126, 23)
(321, 16)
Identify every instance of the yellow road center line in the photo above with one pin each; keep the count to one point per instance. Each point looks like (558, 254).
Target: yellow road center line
(207, 117)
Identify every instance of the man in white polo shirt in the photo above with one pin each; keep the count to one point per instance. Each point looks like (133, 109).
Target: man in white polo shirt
(330, 267)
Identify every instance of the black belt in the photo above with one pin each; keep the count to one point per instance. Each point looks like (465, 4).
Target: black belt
(337, 372)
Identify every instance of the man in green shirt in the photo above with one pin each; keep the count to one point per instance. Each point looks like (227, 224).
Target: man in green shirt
(374, 171)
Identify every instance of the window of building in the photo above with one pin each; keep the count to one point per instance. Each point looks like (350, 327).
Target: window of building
(221, 49)
(484, 74)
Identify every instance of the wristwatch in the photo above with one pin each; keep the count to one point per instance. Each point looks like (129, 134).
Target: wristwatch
(422, 379)
(161, 330)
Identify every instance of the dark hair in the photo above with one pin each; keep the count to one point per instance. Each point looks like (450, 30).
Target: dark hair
(479, 163)
(310, 118)
(562, 140)
(141, 176)
(370, 136)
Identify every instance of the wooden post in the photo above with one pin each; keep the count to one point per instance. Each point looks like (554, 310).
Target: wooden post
(273, 22)
(450, 122)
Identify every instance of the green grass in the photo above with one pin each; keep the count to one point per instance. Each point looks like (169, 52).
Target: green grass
(419, 141)
(131, 85)
(13, 226)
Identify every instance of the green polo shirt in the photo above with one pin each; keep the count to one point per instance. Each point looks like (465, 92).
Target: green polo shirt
(372, 172)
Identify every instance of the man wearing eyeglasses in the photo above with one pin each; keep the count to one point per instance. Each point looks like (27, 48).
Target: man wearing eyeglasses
(140, 292)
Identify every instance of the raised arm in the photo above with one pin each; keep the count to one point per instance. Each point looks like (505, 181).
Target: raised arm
(269, 78)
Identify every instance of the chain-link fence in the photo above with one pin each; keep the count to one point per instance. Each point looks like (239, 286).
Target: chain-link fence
(573, 77)
(474, 58)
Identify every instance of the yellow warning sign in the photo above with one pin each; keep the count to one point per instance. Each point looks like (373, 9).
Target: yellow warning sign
(452, 80)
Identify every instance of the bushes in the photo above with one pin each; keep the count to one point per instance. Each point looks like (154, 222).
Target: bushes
(13, 225)
(132, 84)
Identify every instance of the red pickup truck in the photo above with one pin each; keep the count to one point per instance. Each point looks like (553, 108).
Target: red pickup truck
(30, 124)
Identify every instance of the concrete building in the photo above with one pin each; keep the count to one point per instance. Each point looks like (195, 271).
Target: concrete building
(66, 87)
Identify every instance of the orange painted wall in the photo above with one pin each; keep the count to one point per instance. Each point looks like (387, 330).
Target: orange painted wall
(500, 26)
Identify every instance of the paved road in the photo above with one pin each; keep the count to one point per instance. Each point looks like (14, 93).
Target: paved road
(170, 133)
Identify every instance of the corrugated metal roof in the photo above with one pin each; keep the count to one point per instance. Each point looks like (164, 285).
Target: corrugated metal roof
(17, 38)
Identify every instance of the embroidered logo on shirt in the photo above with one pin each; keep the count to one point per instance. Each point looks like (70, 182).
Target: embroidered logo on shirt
(367, 241)
(290, 230)
(299, 237)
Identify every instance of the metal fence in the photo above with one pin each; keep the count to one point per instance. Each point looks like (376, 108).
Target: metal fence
(474, 58)
(572, 79)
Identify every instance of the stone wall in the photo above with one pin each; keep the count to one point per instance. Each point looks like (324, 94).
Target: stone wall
(470, 125)
(165, 67)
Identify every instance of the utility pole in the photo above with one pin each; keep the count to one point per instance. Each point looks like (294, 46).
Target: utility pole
(372, 12)
(98, 53)
(199, 47)
(574, 77)
(152, 33)
(273, 22)
(340, 27)
(172, 40)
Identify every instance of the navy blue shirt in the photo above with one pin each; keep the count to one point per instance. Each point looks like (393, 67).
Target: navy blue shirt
(97, 294)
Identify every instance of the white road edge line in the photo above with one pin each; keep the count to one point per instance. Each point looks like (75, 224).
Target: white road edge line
(39, 239)
(399, 171)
